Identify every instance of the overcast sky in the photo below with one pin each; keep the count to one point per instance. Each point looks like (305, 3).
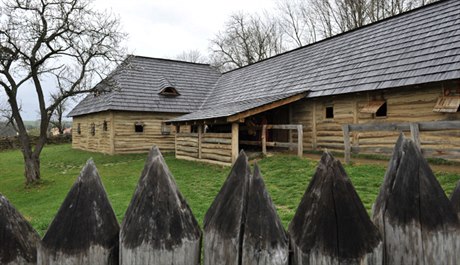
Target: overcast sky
(164, 28)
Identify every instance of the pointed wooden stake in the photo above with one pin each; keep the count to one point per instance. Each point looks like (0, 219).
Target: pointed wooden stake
(331, 225)
(265, 241)
(159, 227)
(224, 221)
(412, 212)
(85, 229)
(18, 240)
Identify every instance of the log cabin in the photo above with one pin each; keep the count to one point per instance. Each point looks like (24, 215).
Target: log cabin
(354, 93)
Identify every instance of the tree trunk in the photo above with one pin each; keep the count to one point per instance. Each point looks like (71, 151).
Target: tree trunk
(31, 167)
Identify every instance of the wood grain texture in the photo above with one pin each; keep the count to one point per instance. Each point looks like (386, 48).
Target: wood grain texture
(85, 229)
(18, 240)
(159, 227)
(412, 212)
(331, 225)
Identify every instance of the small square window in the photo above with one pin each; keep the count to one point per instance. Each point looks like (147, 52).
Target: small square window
(165, 129)
(104, 126)
(139, 127)
(382, 111)
(329, 112)
(78, 128)
(93, 129)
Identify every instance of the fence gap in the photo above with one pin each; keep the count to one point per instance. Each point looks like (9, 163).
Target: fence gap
(412, 212)
(18, 240)
(331, 225)
(85, 229)
(159, 227)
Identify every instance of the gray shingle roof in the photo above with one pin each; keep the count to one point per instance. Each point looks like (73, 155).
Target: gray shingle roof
(140, 81)
(417, 47)
(420, 46)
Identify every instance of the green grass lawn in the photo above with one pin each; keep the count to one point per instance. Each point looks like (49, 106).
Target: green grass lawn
(286, 178)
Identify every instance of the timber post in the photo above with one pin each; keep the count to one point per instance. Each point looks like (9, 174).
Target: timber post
(416, 219)
(415, 134)
(300, 140)
(235, 141)
(159, 226)
(85, 229)
(200, 136)
(331, 225)
(264, 139)
(18, 240)
(346, 143)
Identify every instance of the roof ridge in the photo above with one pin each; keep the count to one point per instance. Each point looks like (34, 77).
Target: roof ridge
(170, 60)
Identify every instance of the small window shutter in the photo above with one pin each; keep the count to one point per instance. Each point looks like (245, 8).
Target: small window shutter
(447, 104)
(372, 107)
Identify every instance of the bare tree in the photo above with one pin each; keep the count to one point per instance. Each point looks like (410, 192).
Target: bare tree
(297, 21)
(246, 40)
(67, 41)
(58, 114)
(193, 56)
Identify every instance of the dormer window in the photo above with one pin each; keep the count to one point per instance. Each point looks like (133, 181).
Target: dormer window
(169, 91)
(167, 88)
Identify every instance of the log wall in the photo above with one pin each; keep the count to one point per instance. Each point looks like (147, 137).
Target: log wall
(215, 148)
(403, 105)
(120, 136)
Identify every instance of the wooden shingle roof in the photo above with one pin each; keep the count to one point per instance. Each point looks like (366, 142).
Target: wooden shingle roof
(416, 47)
(141, 79)
(420, 46)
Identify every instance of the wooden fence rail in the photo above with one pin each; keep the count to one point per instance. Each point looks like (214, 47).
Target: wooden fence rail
(413, 222)
(414, 128)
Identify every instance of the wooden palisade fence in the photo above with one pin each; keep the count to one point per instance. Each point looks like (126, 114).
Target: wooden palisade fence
(413, 221)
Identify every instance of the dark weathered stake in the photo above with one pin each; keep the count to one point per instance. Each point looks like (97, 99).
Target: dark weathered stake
(159, 227)
(455, 199)
(265, 241)
(224, 220)
(331, 225)
(18, 240)
(85, 229)
(413, 214)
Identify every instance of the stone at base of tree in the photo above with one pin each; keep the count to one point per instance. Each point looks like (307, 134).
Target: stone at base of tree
(85, 229)
(159, 226)
(413, 214)
(18, 240)
(331, 225)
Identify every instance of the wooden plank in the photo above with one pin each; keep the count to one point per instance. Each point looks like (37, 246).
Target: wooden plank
(202, 160)
(184, 134)
(282, 126)
(415, 134)
(290, 138)
(346, 142)
(200, 134)
(264, 139)
(266, 107)
(313, 128)
(217, 140)
(299, 140)
(282, 144)
(217, 146)
(235, 140)
(159, 226)
(217, 135)
(439, 125)
(380, 127)
(221, 158)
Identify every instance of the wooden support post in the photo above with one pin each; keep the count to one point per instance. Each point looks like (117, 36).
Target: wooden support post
(314, 144)
(290, 137)
(355, 135)
(264, 139)
(413, 213)
(200, 135)
(235, 141)
(300, 140)
(18, 240)
(85, 229)
(415, 134)
(159, 226)
(331, 225)
(346, 143)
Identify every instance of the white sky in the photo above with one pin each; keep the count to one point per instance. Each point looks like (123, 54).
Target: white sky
(164, 29)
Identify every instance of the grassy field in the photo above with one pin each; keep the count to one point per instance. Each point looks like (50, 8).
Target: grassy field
(286, 178)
